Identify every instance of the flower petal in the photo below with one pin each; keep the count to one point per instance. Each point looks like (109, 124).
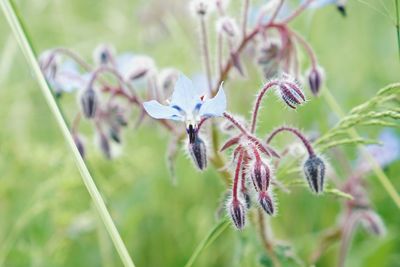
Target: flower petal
(185, 95)
(214, 107)
(158, 111)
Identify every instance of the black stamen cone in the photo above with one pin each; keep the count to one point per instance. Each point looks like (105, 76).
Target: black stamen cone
(197, 150)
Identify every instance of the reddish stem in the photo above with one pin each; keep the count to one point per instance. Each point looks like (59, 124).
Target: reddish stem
(237, 172)
(258, 102)
(297, 12)
(306, 46)
(297, 133)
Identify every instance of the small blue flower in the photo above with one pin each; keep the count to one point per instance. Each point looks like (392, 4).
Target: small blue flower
(188, 104)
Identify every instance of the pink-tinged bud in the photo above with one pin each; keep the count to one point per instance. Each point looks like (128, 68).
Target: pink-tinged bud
(260, 175)
(238, 213)
(314, 170)
(247, 199)
(291, 93)
(89, 103)
(198, 152)
(373, 223)
(227, 26)
(79, 145)
(315, 79)
(266, 202)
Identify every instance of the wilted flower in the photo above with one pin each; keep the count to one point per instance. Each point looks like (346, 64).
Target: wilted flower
(314, 170)
(268, 58)
(189, 105)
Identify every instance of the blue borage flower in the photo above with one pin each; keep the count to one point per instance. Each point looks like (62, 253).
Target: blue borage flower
(188, 104)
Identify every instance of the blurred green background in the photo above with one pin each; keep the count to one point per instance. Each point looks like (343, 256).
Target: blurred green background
(46, 215)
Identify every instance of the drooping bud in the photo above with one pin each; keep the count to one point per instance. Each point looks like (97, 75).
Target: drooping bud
(247, 199)
(314, 170)
(105, 146)
(266, 202)
(238, 213)
(291, 93)
(89, 103)
(103, 54)
(228, 26)
(373, 223)
(79, 145)
(268, 59)
(260, 175)
(199, 7)
(315, 79)
(114, 134)
(198, 152)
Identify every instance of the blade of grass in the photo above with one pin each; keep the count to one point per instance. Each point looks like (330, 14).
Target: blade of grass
(14, 20)
(211, 237)
(396, 3)
(383, 179)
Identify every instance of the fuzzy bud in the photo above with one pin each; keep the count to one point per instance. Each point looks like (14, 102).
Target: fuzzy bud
(269, 59)
(200, 7)
(198, 152)
(260, 175)
(89, 103)
(238, 213)
(373, 223)
(103, 54)
(314, 170)
(315, 79)
(114, 133)
(227, 26)
(105, 146)
(291, 93)
(266, 202)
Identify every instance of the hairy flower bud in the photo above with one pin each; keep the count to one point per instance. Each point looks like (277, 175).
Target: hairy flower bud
(103, 54)
(314, 170)
(89, 103)
(291, 93)
(268, 59)
(238, 213)
(373, 223)
(114, 134)
(228, 26)
(197, 150)
(315, 79)
(266, 202)
(260, 175)
(105, 145)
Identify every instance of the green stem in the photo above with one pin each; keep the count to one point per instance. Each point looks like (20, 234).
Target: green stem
(14, 20)
(396, 3)
(383, 179)
(214, 233)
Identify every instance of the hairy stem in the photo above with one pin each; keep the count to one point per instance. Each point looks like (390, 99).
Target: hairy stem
(297, 133)
(258, 103)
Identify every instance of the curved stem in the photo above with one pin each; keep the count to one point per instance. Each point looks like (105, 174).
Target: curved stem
(297, 133)
(258, 102)
(236, 123)
(266, 243)
(307, 47)
(68, 53)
